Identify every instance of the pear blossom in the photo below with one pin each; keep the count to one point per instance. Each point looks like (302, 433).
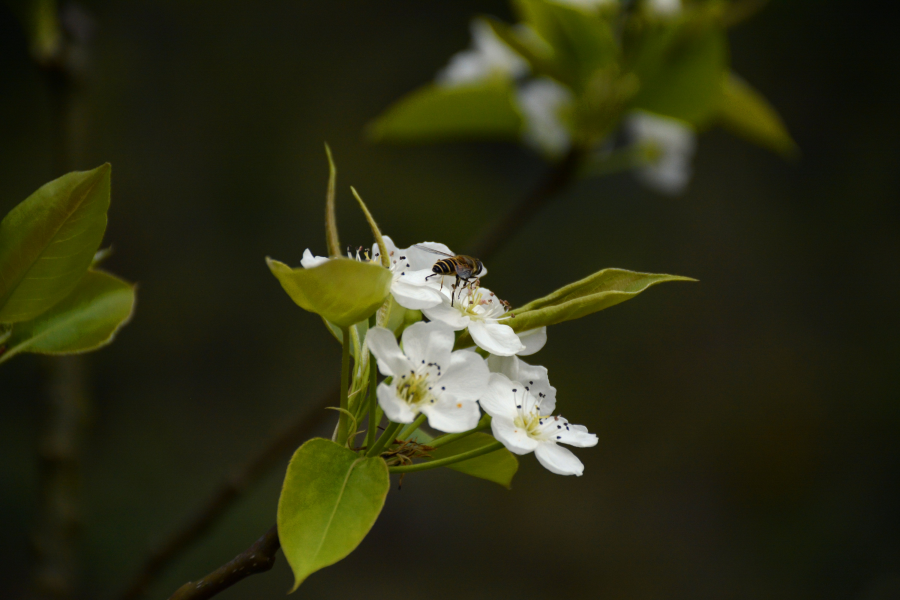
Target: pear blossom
(522, 419)
(670, 145)
(428, 377)
(534, 377)
(489, 57)
(543, 103)
(663, 8)
(480, 311)
(533, 340)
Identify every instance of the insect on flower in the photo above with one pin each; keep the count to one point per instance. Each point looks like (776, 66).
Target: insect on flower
(466, 268)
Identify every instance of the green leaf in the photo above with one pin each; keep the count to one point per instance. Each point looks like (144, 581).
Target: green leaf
(434, 113)
(594, 293)
(330, 499)
(331, 231)
(48, 241)
(342, 290)
(746, 113)
(680, 69)
(86, 319)
(498, 466)
(582, 42)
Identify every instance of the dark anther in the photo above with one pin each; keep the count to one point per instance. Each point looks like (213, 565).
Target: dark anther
(515, 390)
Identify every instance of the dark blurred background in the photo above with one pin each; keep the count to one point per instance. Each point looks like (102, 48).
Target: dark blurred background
(748, 423)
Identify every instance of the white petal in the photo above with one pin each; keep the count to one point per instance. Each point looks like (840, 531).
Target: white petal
(309, 261)
(542, 101)
(578, 436)
(515, 438)
(449, 315)
(533, 339)
(496, 338)
(498, 399)
(466, 377)
(664, 8)
(391, 360)
(537, 381)
(559, 460)
(415, 297)
(394, 408)
(452, 415)
(428, 343)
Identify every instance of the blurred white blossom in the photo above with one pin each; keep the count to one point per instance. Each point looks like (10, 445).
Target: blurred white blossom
(543, 103)
(488, 57)
(669, 145)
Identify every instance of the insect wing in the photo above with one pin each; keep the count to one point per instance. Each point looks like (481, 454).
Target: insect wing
(432, 250)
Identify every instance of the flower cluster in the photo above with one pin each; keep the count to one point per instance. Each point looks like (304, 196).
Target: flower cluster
(665, 145)
(427, 377)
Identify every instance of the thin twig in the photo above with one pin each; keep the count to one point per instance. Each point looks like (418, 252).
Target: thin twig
(562, 174)
(241, 478)
(258, 558)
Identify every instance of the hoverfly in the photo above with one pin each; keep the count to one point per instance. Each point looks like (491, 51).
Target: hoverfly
(465, 268)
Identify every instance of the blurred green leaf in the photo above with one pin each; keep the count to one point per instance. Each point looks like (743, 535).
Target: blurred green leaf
(746, 113)
(434, 113)
(330, 499)
(342, 291)
(582, 42)
(680, 68)
(499, 466)
(48, 241)
(86, 319)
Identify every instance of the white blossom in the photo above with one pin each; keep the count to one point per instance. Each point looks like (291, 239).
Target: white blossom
(428, 377)
(480, 311)
(543, 103)
(663, 8)
(489, 57)
(587, 4)
(669, 145)
(522, 419)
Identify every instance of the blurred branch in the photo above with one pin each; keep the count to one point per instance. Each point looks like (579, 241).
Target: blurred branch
(60, 446)
(258, 558)
(556, 180)
(238, 481)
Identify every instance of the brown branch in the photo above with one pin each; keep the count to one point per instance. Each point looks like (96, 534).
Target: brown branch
(241, 478)
(557, 179)
(258, 558)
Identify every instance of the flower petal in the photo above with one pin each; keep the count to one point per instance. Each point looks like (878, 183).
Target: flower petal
(394, 408)
(578, 436)
(452, 415)
(447, 314)
(309, 261)
(496, 338)
(559, 460)
(515, 438)
(428, 343)
(534, 378)
(533, 339)
(466, 377)
(391, 360)
(389, 245)
(498, 399)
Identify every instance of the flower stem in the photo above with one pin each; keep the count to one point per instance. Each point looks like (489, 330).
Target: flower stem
(411, 428)
(373, 403)
(343, 423)
(452, 437)
(443, 462)
(386, 438)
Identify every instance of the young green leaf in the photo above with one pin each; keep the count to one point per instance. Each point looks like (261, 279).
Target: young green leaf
(341, 290)
(331, 231)
(594, 293)
(433, 113)
(680, 69)
(330, 499)
(499, 466)
(86, 319)
(376, 232)
(48, 241)
(746, 113)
